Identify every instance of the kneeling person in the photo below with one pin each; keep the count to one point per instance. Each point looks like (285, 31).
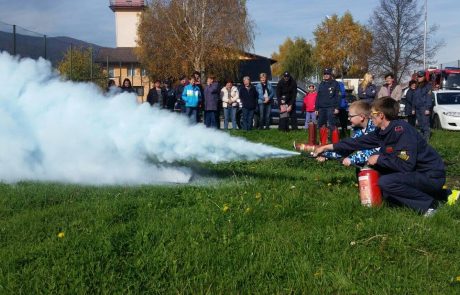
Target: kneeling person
(412, 172)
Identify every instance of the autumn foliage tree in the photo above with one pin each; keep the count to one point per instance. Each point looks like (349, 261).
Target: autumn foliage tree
(340, 39)
(296, 57)
(181, 36)
(77, 65)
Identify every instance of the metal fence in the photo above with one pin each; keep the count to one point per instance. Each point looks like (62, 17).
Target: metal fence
(455, 64)
(19, 41)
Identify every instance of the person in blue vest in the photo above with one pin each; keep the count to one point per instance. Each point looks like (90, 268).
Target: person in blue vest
(192, 98)
(422, 102)
(328, 101)
(412, 172)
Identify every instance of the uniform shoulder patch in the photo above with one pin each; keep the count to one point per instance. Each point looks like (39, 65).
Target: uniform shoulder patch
(399, 129)
(403, 155)
(389, 149)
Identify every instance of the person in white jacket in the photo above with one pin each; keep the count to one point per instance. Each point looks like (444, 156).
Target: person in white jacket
(230, 102)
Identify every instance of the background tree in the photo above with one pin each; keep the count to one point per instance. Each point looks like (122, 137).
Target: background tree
(296, 57)
(340, 39)
(398, 27)
(182, 36)
(77, 65)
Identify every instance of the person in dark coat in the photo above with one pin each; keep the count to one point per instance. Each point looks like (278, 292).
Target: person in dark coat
(412, 173)
(367, 89)
(328, 101)
(286, 91)
(211, 101)
(127, 87)
(157, 95)
(249, 98)
(422, 103)
(409, 108)
(170, 94)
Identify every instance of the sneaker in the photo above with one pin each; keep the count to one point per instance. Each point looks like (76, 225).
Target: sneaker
(453, 197)
(430, 212)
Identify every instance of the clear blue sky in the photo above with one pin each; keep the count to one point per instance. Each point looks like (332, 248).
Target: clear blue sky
(93, 21)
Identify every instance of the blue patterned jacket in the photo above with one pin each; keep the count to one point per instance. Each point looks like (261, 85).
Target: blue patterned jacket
(359, 157)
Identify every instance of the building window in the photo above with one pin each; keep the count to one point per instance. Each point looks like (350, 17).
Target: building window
(131, 70)
(144, 72)
(111, 72)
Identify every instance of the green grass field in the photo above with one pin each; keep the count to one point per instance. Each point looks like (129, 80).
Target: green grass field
(276, 226)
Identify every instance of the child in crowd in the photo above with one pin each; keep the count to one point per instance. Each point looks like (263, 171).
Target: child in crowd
(359, 117)
(308, 106)
(412, 172)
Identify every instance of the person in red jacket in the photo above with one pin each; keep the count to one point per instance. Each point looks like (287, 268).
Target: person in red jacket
(309, 103)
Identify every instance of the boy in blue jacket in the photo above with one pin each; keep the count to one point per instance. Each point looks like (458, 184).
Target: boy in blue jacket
(359, 117)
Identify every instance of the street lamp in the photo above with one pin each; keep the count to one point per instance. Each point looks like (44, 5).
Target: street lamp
(424, 36)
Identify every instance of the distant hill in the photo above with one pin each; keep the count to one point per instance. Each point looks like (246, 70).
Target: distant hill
(34, 47)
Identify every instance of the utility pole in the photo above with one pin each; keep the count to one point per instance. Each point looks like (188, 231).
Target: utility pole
(424, 36)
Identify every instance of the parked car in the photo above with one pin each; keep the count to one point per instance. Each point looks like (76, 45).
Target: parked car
(446, 110)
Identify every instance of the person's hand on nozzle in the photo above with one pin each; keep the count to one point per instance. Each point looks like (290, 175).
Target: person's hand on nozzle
(321, 149)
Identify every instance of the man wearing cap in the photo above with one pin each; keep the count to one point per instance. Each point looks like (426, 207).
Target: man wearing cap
(390, 88)
(286, 91)
(328, 101)
(422, 101)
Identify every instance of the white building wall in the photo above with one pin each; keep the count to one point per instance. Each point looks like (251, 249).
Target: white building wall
(126, 23)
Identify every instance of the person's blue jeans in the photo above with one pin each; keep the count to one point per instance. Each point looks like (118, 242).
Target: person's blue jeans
(264, 115)
(191, 113)
(248, 116)
(230, 112)
(210, 119)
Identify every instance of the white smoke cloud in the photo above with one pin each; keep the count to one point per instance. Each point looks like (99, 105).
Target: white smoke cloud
(55, 130)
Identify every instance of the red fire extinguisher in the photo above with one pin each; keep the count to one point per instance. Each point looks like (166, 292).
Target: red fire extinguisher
(312, 134)
(335, 135)
(323, 135)
(369, 191)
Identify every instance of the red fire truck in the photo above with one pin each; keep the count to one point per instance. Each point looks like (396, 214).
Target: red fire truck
(446, 78)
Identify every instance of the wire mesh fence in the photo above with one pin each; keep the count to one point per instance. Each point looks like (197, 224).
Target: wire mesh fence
(101, 63)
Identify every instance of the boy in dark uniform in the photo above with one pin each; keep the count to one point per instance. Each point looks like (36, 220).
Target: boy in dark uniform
(412, 172)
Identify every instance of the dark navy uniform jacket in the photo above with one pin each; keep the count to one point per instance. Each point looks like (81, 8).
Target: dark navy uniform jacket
(328, 95)
(402, 149)
(422, 99)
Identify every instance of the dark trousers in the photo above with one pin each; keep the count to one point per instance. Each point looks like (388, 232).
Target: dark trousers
(248, 117)
(423, 123)
(326, 117)
(412, 189)
(283, 124)
(411, 120)
(343, 118)
(210, 119)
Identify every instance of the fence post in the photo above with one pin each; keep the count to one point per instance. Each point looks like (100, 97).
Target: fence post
(458, 65)
(44, 37)
(14, 39)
